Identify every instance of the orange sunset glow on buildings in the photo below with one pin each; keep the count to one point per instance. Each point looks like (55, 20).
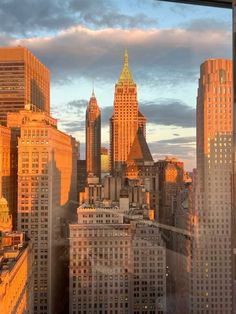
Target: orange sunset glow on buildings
(23, 80)
(47, 161)
(126, 118)
(212, 234)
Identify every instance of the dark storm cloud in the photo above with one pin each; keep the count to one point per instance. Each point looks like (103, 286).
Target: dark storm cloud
(168, 112)
(32, 16)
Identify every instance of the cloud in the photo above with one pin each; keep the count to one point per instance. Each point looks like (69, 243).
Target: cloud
(73, 126)
(106, 113)
(157, 56)
(161, 112)
(182, 147)
(77, 106)
(168, 112)
(180, 140)
(200, 24)
(33, 16)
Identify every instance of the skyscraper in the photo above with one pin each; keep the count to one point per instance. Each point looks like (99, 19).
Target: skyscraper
(211, 270)
(24, 80)
(126, 119)
(93, 137)
(47, 174)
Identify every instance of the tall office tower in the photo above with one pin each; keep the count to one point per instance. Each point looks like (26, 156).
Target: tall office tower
(125, 120)
(24, 80)
(93, 137)
(211, 273)
(171, 182)
(117, 265)
(47, 160)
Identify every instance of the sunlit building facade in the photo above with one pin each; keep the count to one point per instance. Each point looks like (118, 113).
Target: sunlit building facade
(211, 273)
(47, 161)
(126, 118)
(16, 265)
(5, 166)
(117, 264)
(24, 80)
(93, 137)
(105, 167)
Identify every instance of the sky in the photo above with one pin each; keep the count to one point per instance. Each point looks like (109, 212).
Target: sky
(82, 43)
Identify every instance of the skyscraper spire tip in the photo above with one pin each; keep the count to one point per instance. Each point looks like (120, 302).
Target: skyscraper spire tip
(93, 94)
(126, 57)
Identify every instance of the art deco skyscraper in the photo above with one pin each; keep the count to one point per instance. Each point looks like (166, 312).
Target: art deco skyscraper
(126, 119)
(211, 273)
(93, 137)
(24, 80)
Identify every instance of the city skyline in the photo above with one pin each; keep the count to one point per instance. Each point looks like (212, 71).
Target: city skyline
(154, 43)
(116, 158)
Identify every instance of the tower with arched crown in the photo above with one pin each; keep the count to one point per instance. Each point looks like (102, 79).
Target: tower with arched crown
(93, 137)
(126, 118)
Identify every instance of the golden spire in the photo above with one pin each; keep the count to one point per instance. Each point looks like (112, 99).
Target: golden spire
(125, 75)
(126, 58)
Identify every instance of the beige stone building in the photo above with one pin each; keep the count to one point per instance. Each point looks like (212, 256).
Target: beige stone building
(117, 263)
(47, 160)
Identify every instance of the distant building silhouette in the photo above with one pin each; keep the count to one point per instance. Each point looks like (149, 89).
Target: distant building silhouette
(93, 137)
